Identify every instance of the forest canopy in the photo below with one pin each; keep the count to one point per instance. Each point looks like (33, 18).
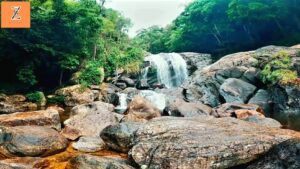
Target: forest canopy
(66, 36)
(224, 26)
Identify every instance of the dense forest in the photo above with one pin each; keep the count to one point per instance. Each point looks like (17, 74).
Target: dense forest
(85, 42)
(224, 26)
(66, 36)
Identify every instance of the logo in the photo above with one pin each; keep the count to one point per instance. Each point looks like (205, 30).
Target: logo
(15, 14)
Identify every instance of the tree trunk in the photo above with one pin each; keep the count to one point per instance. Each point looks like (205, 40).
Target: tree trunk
(61, 77)
(217, 38)
(280, 27)
(95, 52)
(248, 34)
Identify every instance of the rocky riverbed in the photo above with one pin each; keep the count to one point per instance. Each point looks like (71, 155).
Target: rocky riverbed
(223, 116)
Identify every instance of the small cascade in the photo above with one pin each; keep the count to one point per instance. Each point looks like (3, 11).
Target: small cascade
(122, 107)
(171, 69)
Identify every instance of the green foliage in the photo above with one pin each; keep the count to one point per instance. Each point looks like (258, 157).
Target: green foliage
(224, 26)
(153, 39)
(56, 100)
(66, 36)
(279, 70)
(35, 97)
(26, 75)
(92, 74)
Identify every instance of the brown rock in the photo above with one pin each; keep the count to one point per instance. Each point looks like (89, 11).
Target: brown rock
(140, 110)
(12, 107)
(229, 109)
(30, 141)
(21, 163)
(49, 118)
(76, 95)
(89, 120)
(203, 142)
(243, 114)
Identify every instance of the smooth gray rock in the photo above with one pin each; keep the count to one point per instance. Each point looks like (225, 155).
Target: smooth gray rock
(120, 137)
(236, 90)
(263, 99)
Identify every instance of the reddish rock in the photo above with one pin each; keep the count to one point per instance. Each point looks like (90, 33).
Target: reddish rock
(49, 118)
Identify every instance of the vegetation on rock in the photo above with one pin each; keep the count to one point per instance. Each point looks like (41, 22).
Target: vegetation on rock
(279, 70)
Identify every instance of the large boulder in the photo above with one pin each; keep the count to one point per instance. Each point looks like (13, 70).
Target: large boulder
(49, 118)
(203, 86)
(180, 108)
(120, 137)
(140, 110)
(30, 141)
(93, 162)
(204, 142)
(196, 61)
(109, 93)
(236, 91)
(89, 120)
(77, 94)
(284, 155)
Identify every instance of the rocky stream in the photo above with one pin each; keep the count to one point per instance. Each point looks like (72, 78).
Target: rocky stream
(181, 112)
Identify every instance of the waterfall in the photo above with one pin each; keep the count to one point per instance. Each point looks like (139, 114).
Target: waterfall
(122, 107)
(171, 69)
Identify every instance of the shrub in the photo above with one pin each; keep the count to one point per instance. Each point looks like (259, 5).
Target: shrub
(279, 70)
(35, 97)
(26, 76)
(56, 100)
(92, 74)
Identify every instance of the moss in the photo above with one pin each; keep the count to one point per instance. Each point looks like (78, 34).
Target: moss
(279, 70)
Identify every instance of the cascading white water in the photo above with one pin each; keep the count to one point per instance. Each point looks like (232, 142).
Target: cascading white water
(121, 108)
(171, 68)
